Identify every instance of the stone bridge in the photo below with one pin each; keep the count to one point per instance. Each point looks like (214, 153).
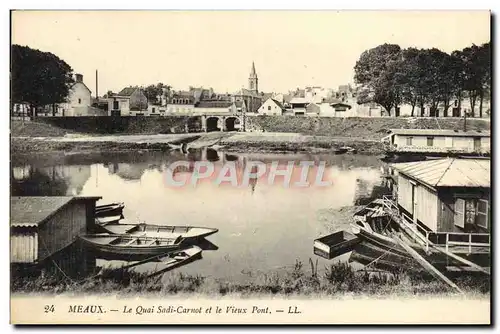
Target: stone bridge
(212, 122)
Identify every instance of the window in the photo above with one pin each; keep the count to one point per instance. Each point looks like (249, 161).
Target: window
(409, 141)
(79, 101)
(482, 213)
(430, 141)
(153, 110)
(459, 213)
(268, 107)
(455, 103)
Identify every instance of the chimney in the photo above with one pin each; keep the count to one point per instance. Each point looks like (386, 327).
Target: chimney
(96, 85)
(79, 78)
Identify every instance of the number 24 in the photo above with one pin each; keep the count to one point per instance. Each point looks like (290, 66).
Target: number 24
(49, 308)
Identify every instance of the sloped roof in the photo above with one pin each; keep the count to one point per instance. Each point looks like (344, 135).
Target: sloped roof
(449, 172)
(30, 211)
(438, 132)
(127, 91)
(279, 104)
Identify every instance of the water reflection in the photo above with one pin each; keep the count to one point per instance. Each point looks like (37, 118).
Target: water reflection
(261, 227)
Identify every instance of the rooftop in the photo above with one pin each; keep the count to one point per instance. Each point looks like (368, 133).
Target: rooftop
(438, 132)
(449, 172)
(31, 211)
(214, 104)
(127, 91)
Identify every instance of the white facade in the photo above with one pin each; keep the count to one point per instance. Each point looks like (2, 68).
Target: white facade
(270, 107)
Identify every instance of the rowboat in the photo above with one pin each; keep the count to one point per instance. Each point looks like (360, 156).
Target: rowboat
(108, 244)
(112, 209)
(108, 220)
(335, 244)
(162, 263)
(160, 231)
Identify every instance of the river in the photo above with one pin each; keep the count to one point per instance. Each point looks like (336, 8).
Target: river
(263, 226)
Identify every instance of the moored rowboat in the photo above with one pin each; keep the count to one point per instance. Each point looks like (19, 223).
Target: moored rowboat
(148, 230)
(131, 245)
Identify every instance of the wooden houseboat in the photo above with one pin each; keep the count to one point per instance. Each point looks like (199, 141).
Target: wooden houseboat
(440, 216)
(408, 143)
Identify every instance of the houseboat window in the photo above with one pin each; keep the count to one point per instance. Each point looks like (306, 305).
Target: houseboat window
(460, 212)
(409, 141)
(482, 213)
(430, 141)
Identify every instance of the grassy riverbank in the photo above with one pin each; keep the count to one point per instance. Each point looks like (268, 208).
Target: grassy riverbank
(302, 279)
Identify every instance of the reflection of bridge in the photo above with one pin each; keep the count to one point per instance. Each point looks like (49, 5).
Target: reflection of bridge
(217, 122)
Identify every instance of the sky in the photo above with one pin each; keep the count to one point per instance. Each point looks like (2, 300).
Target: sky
(216, 48)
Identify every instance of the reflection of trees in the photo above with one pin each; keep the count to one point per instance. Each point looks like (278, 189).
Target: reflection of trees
(39, 184)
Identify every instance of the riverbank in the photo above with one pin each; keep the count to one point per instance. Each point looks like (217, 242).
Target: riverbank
(233, 142)
(339, 279)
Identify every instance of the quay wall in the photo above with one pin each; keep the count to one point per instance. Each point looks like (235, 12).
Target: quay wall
(373, 128)
(123, 125)
(358, 127)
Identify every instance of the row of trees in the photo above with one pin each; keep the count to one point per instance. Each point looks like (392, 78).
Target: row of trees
(392, 76)
(38, 78)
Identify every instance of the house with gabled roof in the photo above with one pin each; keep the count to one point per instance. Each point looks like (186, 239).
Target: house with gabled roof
(271, 107)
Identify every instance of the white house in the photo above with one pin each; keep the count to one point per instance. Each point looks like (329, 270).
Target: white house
(271, 107)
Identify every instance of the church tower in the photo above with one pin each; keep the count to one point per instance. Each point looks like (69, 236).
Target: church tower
(253, 81)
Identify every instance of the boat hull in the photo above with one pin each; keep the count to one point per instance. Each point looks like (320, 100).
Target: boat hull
(109, 251)
(147, 230)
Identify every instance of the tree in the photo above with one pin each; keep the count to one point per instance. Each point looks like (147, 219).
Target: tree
(377, 69)
(38, 78)
(154, 92)
(476, 72)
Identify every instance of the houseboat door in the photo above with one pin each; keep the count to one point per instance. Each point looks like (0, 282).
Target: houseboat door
(414, 202)
(477, 143)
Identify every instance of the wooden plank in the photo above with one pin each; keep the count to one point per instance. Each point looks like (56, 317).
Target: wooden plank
(426, 265)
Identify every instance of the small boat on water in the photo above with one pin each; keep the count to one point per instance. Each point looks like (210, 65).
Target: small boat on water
(108, 220)
(335, 244)
(109, 244)
(160, 231)
(106, 210)
(165, 262)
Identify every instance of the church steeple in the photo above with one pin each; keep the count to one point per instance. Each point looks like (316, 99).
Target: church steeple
(253, 80)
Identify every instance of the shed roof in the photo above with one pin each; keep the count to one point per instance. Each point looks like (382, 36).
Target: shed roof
(449, 172)
(438, 132)
(31, 211)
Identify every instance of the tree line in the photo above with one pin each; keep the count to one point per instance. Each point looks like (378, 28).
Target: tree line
(392, 76)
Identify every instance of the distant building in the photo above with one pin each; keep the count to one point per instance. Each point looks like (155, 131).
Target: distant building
(182, 102)
(298, 105)
(271, 107)
(130, 101)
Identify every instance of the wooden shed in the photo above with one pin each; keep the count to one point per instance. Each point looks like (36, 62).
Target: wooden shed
(446, 195)
(42, 226)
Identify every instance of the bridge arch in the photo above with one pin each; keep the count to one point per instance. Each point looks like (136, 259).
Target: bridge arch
(213, 123)
(232, 123)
